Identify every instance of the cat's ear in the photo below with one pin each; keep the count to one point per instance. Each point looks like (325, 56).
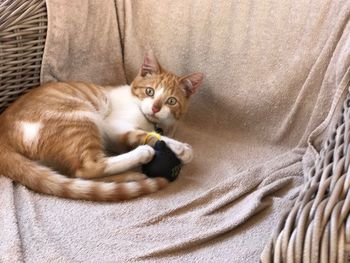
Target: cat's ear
(150, 64)
(192, 82)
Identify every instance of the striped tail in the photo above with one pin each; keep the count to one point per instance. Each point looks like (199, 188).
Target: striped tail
(44, 180)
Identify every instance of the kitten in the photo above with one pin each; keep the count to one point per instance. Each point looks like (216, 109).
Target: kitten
(54, 139)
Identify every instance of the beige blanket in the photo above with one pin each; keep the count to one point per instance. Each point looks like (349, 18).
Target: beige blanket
(275, 71)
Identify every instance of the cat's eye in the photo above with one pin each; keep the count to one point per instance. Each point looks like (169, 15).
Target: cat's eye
(171, 101)
(150, 92)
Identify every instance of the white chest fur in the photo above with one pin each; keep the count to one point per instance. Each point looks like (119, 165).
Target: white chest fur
(125, 113)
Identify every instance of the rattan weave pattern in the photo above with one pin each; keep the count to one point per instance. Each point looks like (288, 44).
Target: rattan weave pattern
(317, 229)
(23, 26)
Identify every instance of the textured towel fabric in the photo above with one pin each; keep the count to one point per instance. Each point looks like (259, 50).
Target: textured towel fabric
(275, 71)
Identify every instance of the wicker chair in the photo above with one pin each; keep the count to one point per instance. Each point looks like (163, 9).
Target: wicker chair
(23, 26)
(317, 228)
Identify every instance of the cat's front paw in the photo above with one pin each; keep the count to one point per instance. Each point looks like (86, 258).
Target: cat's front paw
(145, 153)
(182, 150)
(186, 153)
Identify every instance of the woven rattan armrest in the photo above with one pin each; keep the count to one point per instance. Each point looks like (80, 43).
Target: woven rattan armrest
(23, 26)
(317, 229)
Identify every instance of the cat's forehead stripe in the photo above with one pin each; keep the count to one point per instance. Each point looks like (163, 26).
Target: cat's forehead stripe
(159, 92)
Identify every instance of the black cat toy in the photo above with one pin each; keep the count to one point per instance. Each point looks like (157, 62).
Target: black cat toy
(164, 163)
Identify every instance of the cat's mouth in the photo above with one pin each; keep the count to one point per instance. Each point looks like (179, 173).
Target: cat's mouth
(151, 118)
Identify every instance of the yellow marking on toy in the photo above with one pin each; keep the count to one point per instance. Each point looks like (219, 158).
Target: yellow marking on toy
(151, 134)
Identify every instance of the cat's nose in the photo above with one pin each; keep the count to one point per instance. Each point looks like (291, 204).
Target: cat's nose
(155, 109)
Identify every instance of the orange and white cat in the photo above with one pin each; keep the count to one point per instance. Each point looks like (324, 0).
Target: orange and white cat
(54, 139)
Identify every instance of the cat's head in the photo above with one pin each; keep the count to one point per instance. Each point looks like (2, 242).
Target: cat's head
(163, 96)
